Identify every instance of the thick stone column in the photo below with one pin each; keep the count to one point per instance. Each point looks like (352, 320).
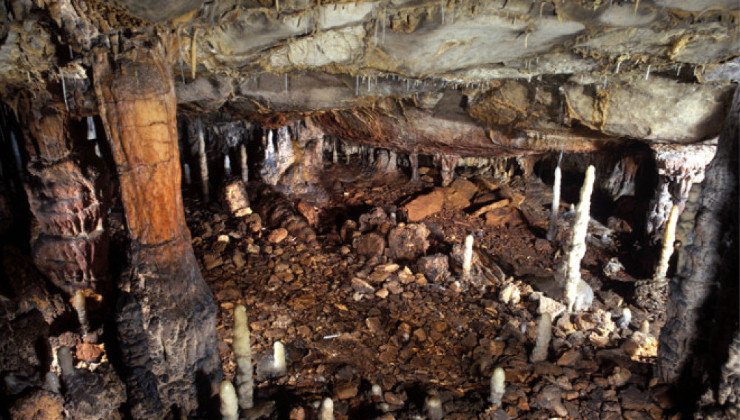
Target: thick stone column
(67, 200)
(166, 316)
(702, 308)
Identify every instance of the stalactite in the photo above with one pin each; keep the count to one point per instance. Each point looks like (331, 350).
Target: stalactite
(678, 168)
(578, 294)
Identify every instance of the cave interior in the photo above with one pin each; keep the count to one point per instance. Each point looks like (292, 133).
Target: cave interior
(388, 209)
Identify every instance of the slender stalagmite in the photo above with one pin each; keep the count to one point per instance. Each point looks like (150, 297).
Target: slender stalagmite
(203, 161)
(165, 317)
(667, 250)
(467, 256)
(552, 231)
(229, 406)
(498, 385)
(244, 163)
(576, 247)
(544, 335)
(243, 356)
(414, 162)
(79, 304)
(227, 166)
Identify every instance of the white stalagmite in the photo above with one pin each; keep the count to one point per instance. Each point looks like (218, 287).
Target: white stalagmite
(78, 301)
(327, 409)
(498, 385)
(544, 335)
(335, 152)
(577, 293)
(91, 133)
(625, 319)
(203, 159)
(227, 166)
(467, 256)
(278, 358)
(552, 231)
(229, 406)
(243, 355)
(245, 168)
(66, 364)
(186, 173)
(97, 151)
(667, 250)
(433, 407)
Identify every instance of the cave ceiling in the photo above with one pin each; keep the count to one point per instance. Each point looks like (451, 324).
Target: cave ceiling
(471, 77)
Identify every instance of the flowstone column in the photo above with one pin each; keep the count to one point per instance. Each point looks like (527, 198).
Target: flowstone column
(702, 308)
(166, 316)
(67, 200)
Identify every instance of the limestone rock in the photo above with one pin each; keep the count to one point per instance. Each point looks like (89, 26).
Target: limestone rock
(408, 242)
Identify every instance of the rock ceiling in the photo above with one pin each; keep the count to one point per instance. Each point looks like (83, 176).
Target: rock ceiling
(477, 77)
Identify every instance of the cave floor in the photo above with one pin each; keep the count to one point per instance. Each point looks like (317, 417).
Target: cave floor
(413, 337)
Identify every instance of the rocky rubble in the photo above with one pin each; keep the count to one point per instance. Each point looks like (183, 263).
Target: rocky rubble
(375, 311)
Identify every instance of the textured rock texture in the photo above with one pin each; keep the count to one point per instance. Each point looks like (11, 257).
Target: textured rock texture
(702, 308)
(165, 315)
(68, 201)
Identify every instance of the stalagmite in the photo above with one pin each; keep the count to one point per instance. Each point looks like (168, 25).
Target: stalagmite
(91, 133)
(334, 151)
(79, 304)
(278, 358)
(243, 356)
(227, 166)
(555, 209)
(67, 200)
(244, 163)
(17, 155)
(578, 294)
(66, 363)
(467, 256)
(433, 407)
(498, 385)
(186, 173)
(229, 406)
(447, 165)
(414, 162)
(327, 409)
(661, 269)
(625, 319)
(165, 317)
(203, 161)
(544, 335)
